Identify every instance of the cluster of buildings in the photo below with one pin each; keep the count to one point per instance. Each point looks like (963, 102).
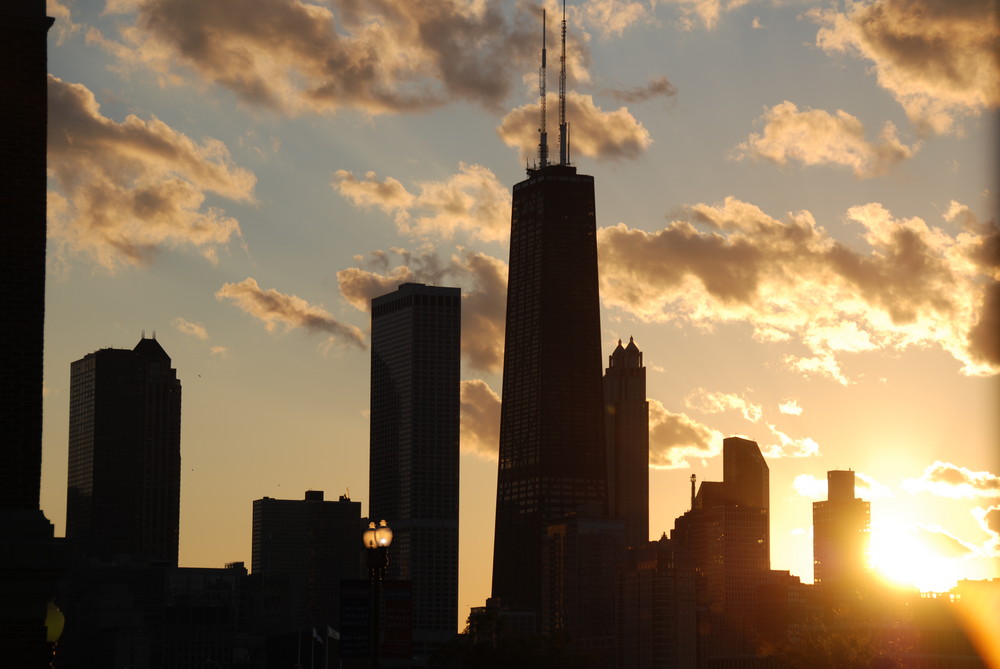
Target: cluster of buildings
(572, 564)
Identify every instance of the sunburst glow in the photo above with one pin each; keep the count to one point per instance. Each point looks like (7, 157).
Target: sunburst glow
(901, 554)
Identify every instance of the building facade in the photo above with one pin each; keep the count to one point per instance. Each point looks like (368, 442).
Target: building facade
(841, 526)
(627, 426)
(301, 550)
(414, 468)
(124, 482)
(552, 438)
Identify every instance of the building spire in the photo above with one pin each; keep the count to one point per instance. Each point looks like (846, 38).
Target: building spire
(543, 143)
(563, 127)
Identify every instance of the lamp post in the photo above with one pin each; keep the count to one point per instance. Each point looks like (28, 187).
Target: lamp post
(377, 540)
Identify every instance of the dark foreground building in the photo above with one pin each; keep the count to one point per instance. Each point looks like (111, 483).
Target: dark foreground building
(552, 440)
(123, 497)
(30, 559)
(416, 344)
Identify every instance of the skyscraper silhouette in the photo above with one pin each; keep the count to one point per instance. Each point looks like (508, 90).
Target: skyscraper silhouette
(552, 450)
(413, 475)
(30, 560)
(627, 425)
(123, 496)
(840, 535)
(725, 539)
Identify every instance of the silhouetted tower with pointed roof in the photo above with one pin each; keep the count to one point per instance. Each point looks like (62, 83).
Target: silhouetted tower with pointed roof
(552, 439)
(124, 487)
(627, 427)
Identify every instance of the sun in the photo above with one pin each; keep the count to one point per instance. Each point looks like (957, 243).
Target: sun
(901, 557)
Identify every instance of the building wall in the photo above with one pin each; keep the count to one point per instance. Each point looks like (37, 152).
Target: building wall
(123, 494)
(414, 468)
(552, 450)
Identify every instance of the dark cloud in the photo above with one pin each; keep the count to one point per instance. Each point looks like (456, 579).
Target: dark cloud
(658, 87)
(126, 191)
(791, 280)
(947, 480)
(381, 56)
(938, 58)
(279, 309)
(483, 280)
(674, 438)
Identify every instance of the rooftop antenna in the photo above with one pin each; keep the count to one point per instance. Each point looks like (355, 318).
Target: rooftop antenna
(563, 130)
(543, 144)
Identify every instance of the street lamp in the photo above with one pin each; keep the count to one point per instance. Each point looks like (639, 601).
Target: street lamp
(377, 540)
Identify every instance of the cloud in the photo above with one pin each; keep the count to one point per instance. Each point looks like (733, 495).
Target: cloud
(943, 542)
(909, 284)
(674, 438)
(657, 87)
(64, 25)
(706, 12)
(612, 17)
(938, 59)
(219, 352)
(472, 201)
(480, 419)
(788, 447)
(947, 480)
(613, 135)
(125, 191)
(278, 309)
(989, 521)
(483, 280)
(187, 327)
(711, 402)
(816, 137)
(809, 486)
(865, 487)
(296, 56)
(790, 407)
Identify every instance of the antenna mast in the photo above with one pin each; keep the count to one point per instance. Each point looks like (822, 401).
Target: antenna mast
(563, 130)
(543, 143)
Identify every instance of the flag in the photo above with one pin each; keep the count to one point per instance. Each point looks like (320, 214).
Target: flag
(332, 633)
(317, 636)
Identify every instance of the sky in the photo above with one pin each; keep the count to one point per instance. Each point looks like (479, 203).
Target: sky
(797, 223)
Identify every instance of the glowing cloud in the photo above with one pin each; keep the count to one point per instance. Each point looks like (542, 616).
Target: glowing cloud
(790, 407)
(126, 191)
(295, 56)
(612, 17)
(658, 87)
(914, 285)
(278, 309)
(472, 201)
(674, 438)
(938, 59)
(816, 137)
(480, 419)
(716, 402)
(706, 12)
(187, 327)
(809, 486)
(614, 135)
(947, 480)
(483, 280)
(989, 521)
(788, 447)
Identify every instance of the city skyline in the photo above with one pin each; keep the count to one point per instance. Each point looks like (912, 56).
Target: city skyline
(835, 336)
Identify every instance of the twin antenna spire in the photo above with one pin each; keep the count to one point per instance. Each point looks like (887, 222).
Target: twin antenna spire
(543, 144)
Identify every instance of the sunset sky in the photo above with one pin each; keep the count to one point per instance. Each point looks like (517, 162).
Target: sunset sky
(797, 211)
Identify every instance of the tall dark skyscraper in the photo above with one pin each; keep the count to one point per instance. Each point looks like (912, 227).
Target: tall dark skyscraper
(124, 487)
(552, 440)
(627, 426)
(840, 535)
(413, 474)
(30, 560)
